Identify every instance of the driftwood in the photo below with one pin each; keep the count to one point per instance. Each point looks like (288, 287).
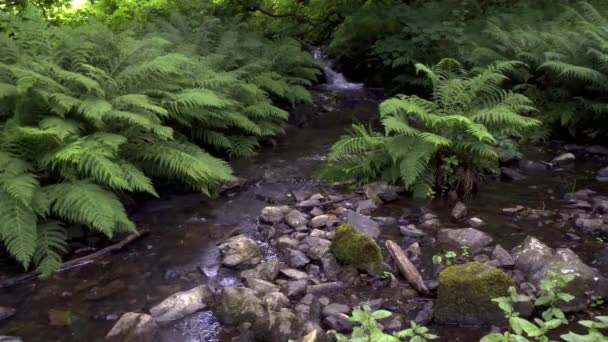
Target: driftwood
(408, 270)
(87, 259)
(321, 204)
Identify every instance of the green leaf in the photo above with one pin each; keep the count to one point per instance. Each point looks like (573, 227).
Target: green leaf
(380, 314)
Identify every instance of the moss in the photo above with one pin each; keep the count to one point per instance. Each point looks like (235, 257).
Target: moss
(465, 294)
(353, 248)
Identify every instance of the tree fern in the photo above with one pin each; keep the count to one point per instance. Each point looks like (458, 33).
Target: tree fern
(462, 119)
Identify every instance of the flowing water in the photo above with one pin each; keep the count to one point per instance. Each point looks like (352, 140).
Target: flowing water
(180, 251)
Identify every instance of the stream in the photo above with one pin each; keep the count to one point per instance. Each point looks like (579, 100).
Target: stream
(180, 252)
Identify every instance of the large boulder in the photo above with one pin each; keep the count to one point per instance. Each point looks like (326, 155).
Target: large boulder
(276, 326)
(353, 248)
(182, 304)
(363, 224)
(238, 305)
(465, 294)
(536, 260)
(471, 238)
(133, 327)
(240, 251)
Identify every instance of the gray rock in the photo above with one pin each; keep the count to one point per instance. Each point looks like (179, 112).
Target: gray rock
(295, 274)
(503, 257)
(430, 224)
(335, 308)
(322, 221)
(474, 239)
(530, 255)
(316, 211)
(413, 250)
(589, 225)
(296, 218)
(459, 212)
(602, 174)
(512, 211)
(10, 339)
(326, 289)
(509, 174)
(274, 215)
(6, 312)
(340, 323)
(563, 159)
(295, 288)
(276, 326)
(318, 247)
(268, 270)
(238, 305)
(363, 224)
(133, 327)
(532, 167)
(240, 251)
(182, 304)
(366, 207)
(475, 222)
(425, 315)
(297, 259)
(275, 301)
(331, 267)
(286, 242)
(597, 149)
(261, 287)
(382, 192)
(411, 231)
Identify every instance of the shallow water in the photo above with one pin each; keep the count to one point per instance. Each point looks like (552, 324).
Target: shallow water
(180, 252)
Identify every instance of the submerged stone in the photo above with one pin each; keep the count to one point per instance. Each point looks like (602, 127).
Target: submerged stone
(465, 294)
(353, 248)
(133, 327)
(182, 304)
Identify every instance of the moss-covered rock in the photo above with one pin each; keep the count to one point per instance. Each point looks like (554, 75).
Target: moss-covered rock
(465, 294)
(353, 248)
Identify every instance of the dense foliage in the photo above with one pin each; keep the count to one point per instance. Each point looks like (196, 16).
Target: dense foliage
(438, 144)
(90, 115)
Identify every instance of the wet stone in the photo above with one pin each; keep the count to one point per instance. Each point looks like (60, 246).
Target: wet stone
(6, 312)
(274, 215)
(459, 212)
(275, 301)
(133, 327)
(295, 274)
(502, 256)
(261, 287)
(366, 207)
(318, 247)
(182, 304)
(327, 289)
(296, 218)
(297, 259)
(10, 339)
(267, 270)
(474, 239)
(335, 308)
(411, 231)
(340, 323)
(295, 288)
(363, 224)
(475, 222)
(563, 159)
(240, 251)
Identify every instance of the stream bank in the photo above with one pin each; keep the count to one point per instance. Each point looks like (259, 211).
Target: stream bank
(182, 251)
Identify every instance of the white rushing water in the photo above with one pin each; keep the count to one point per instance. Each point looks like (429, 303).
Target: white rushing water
(335, 80)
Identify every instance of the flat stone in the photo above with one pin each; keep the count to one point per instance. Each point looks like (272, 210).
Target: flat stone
(509, 174)
(597, 149)
(564, 159)
(430, 224)
(589, 225)
(475, 222)
(285, 242)
(326, 289)
(240, 251)
(276, 301)
(296, 218)
(503, 257)
(331, 267)
(295, 274)
(411, 231)
(182, 304)
(274, 215)
(295, 288)
(366, 207)
(363, 224)
(513, 210)
(532, 167)
(318, 247)
(10, 339)
(316, 211)
(297, 259)
(322, 221)
(473, 239)
(267, 270)
(261, 287)
(133, 327)
(335, 308)
(340, 323)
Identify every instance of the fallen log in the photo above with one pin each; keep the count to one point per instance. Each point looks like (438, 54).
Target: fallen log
(87, 259)
(408, 270)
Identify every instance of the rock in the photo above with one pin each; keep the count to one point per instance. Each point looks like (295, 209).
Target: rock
(301, 195)
(473, 239)
(382, 192)
(353, 248)
(532, 167)
(596, 149)
(340, 323)
(274, 215)
(582, 195)
(335, 308)
(331, 268)
(182, 304)
(295, 274)
(326, 289)
(430, 224)
(261, 287)
(276, 301)
(310, 337)
(59, 318)
(459, 212)
(268, 270)
(363, 224)
(6, 312)
(323, 221)
(512, 211)
(240, 251)
(563, 159)
(318, 247)
(133, 327)
(295, 288)
(425, 315)
(366, 207)
(503, 257)
(530, 255)
(10, 339)
(297, 259)
(286, 242)
(411, 231)
(602, 174)
(276, 326)
(413, 250)
(590, 226)
(465, 294)
(102, 292)
(475, 222)
(296, 218)
(238, 305)
(316, 211)
(509, 174)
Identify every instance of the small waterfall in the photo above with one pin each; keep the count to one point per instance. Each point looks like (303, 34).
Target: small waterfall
(335, 80)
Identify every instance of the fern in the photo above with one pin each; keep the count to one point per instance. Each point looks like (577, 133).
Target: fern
(463, 118)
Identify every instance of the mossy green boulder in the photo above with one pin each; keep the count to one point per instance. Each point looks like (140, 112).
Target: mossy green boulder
(353, 248)
(465, 294)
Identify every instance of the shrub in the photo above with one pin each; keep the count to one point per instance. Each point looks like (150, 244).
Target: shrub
(438, 144)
